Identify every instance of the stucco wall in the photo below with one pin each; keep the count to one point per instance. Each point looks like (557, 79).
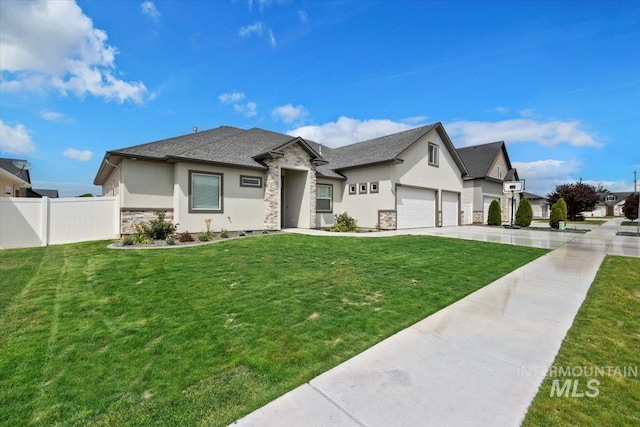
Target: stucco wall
(146, 184)
(242, 206)
(364, 207)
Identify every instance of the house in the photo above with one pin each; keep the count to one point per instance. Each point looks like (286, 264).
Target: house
(610, 204)
(539, 205)
(257, 179)
(13, 180)
(489, 167)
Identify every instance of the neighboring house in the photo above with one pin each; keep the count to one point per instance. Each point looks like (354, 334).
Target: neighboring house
(489, 167)
(14, 181)
(257, 179)
(539, 205)
(610, 204)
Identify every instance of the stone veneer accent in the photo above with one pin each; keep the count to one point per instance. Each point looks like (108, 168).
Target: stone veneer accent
(129, 218)
(387, 220)
(295, 157)
(478, 217)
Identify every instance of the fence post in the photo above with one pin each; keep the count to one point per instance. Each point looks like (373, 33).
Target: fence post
(44, 222)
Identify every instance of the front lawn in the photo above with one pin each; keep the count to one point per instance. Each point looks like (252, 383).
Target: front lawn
(630, 223)
(204, 335)
(605, 333)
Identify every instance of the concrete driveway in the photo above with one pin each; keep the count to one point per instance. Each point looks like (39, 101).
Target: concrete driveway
(478, 362)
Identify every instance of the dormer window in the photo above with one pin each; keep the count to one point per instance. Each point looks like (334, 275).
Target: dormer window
(610, 198)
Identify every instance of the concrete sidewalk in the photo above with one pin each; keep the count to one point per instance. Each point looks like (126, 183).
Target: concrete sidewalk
(478, 362)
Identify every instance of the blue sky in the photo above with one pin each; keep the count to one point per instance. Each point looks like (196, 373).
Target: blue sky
(558, 81)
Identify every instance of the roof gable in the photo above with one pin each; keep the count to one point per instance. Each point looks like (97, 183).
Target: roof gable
(479, 158)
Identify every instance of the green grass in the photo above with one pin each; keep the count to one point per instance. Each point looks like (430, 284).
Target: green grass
(605, 332)
(633, 223)
(204, 335)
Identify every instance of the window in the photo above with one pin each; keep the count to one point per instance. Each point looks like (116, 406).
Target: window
(363, 188)
(324, 198)
(500, 172)
(352, 189)
(373, 187)
(205, 192)
(8, 190)
(250, 181)
(610, 198)
(433, 154)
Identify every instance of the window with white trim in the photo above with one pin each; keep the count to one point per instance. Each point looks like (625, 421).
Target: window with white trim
(433, 154)
(324, 198)
(205, 192)
(373, 187)
(250, 181)
(363, 188)
(352, 188)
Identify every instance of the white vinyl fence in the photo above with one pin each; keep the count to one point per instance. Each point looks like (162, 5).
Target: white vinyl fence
(26, 222)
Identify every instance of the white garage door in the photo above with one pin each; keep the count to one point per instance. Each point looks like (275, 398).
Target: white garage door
(416, 208)
(487, 203)
(450, 209)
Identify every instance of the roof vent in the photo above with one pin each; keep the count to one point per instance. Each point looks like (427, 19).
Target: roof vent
(195, 129)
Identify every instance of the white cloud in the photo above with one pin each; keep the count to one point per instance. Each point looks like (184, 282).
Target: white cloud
(231, 98)
(613, 186)
(15, 140)
(528, 112)
(52, 116)
(414, 120)
(542, 176)
(53, 44)
(346, 130)
(500, 110)
(303, 16)
(149, 10)
(290, 114)
(548, 134)
(235, 99)
(81, 156)
(259, 30)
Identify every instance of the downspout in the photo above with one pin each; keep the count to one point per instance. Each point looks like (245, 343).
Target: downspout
(119, 212)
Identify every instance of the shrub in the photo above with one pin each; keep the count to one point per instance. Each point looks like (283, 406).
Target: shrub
(630, 207)
(242, 234)
(203, 237)
(495, 214)
(159, 228)
(185, 237)
(556, 216)
(265, 231)
(224, 233)
(344, 223)
(141, 234)
(524, 214)
(127, 241)
(563, 208)
(171, 240)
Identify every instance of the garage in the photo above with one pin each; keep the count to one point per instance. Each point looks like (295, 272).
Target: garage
(416, 207)
(487, 203)
(450, 210)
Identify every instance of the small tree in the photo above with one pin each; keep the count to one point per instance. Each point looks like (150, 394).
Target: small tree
(524, 214)
(556, 215)
(579, 197)
(495, 215)
(630, 207)
(563, 208)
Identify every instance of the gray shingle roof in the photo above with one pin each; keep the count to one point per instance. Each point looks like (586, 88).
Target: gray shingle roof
(479, 158)
(244, 148)
(23, 174)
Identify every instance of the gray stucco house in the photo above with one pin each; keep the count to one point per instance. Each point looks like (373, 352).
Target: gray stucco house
(257, 179)
(489, 167)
